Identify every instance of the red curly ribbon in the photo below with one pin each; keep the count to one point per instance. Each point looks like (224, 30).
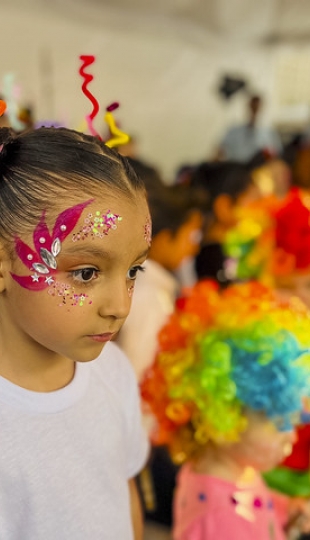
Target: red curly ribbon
(87, 61)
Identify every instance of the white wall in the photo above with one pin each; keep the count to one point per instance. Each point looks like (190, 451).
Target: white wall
(164, 74)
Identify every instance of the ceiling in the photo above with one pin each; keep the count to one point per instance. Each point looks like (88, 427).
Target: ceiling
(266, 21)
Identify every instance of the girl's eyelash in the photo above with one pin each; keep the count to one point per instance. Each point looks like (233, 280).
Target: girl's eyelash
(85, 276)
(89, 272)
(135, 269)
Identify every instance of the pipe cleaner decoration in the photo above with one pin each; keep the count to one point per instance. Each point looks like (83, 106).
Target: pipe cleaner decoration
(119, 137)
(223, 352)
(88, 60)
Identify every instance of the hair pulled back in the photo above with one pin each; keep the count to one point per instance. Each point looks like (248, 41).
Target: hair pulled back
(41, 166)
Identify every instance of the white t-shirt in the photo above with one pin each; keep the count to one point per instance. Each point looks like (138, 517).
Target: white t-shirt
(66, 456)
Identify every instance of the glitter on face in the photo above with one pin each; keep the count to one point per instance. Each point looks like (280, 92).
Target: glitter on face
(42, 260)
(68, 295)
(97, 225)
(130, 290)
(148, 232)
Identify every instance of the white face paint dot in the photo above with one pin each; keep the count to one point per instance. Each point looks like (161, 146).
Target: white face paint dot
(42, 240)
(29, 257)
(63, 228)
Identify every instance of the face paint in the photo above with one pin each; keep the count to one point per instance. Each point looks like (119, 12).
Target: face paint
(148, 231)
(47, 247)
(97, 225)
(130, 290)
(68, 295)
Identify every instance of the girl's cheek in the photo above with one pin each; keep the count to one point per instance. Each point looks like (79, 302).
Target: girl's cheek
(68, 295)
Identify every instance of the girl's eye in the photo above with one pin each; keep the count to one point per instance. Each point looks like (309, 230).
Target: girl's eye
(132, 272)
(85, 275)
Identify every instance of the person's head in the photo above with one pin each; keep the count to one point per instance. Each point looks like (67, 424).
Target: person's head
(227, 184)
(176, 217)
(176, 225)
(74, 230)
(231, 364)
(254, 106)
(183, 175)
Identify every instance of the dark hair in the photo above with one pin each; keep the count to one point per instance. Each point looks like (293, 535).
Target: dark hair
(259, 159)
(147, 173)
(171, 207)
(217, 178)
(40, 166)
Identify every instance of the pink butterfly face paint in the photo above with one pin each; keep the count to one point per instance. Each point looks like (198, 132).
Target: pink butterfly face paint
(42, 261)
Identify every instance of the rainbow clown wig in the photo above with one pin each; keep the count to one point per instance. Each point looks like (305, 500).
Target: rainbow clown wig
(222, 353)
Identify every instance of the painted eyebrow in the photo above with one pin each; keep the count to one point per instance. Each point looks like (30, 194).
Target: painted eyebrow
(93, 251)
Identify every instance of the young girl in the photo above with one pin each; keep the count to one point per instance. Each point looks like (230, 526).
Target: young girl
(226, 389)
(74, 231)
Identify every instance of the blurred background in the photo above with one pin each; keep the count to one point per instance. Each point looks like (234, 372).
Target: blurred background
(166, 62)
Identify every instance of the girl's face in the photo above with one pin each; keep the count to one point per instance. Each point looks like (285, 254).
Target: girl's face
(68, 290)
(261, 446)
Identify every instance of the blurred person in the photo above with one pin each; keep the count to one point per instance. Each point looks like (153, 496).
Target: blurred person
(272, 174)
(228, 185)
(242, 142)
(226, 390)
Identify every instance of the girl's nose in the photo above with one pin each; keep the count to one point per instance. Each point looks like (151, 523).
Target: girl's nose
(115, 301)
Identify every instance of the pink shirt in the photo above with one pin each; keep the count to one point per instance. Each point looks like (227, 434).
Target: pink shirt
(209, 508)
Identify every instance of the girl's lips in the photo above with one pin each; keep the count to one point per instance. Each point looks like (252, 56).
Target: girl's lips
(101, 338)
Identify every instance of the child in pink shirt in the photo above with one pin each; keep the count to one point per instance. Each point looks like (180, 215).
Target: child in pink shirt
(227, 389)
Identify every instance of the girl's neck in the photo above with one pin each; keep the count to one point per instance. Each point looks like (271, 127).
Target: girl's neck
(38, 378)
(216, 461)
(34, 369)
(27, 363)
